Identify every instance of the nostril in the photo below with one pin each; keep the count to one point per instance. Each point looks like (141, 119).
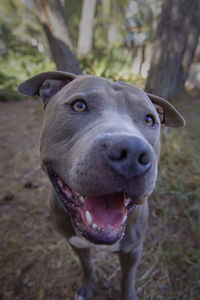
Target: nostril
(127, 156)
(123, 154)
(117, 154)
(144, 159)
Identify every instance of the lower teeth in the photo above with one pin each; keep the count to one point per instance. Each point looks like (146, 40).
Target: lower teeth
(94, 226)
(88, 217)
(127, 201)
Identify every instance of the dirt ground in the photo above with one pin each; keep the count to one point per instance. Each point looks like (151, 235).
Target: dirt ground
(35, 261)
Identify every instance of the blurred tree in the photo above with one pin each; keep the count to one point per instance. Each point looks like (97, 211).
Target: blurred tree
(73, 16)
(86, 28)
(23, 51)
(52, 18)
(174, 46)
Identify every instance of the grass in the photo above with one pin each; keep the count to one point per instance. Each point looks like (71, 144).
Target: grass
(173, 240)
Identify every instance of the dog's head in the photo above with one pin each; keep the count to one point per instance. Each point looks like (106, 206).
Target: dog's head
(100, 146)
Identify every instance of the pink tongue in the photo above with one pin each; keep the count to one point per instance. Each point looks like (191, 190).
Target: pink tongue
(107, 211)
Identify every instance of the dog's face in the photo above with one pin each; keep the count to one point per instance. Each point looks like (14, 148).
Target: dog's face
(100, 146)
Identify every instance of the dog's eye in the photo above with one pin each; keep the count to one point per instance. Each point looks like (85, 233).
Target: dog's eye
(150, 120)
(79, 106)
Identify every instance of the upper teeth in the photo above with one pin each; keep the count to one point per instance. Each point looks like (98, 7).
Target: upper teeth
(127, 201)
(81, 198)
(124, 218)
(88, 217)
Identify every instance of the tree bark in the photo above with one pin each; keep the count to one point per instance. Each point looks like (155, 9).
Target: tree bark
(52, 18)
(86, 28)
(173, 48)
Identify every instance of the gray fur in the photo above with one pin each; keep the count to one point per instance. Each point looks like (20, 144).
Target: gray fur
(71, 145)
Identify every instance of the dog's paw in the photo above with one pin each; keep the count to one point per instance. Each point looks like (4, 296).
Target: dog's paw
(78, 297)
(84, 294)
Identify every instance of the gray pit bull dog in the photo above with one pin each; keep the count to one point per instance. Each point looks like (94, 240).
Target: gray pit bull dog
(100, 147)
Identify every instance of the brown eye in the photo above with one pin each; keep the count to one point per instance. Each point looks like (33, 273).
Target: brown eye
(149, 120)
(79, 106)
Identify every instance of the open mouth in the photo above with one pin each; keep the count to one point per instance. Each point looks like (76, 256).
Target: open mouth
(100, 219)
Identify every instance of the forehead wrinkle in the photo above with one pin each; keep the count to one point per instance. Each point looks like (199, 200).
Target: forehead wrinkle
(81, 85)
(137, 95)
(88, 81)
(93, 93)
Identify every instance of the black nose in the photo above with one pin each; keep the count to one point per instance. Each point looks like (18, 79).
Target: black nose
(128, 156)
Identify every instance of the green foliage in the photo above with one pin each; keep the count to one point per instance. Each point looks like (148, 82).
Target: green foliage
(107, 12)
(8, 92)
(73, 14)
(21, 61)
(24, 49)
(20, 57)
(111, 63)
(104, 62)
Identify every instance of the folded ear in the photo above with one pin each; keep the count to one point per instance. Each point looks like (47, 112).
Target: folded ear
(166, 111)
(45, 84)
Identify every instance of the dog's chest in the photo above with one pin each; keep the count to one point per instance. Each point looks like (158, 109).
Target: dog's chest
(81, 242)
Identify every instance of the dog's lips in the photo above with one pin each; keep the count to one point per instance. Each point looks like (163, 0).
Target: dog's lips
(101, 219)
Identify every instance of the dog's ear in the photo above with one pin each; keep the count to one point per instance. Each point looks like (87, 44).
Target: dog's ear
(45, 84)
(166, 111)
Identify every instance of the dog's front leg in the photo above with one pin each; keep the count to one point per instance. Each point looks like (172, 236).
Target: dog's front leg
(129, 262)
(85, 292)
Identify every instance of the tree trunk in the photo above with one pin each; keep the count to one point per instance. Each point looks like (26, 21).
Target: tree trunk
(191, 45)
(52, 18)
(86, 28)
(174, 47)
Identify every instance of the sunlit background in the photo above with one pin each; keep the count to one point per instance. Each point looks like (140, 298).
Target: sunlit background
(154, 44)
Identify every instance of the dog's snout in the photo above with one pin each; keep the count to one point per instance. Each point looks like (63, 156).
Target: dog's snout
(128, 156)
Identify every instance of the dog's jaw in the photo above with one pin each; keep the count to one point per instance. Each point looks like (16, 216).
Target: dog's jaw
(100, 219)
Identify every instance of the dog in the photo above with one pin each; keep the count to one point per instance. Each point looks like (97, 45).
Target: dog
(100, 148)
